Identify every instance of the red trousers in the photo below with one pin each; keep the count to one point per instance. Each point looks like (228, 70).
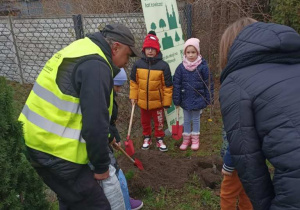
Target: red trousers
(158, 118)
(232, 191)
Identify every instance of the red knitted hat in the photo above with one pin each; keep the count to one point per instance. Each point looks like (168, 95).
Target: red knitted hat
(151, 40)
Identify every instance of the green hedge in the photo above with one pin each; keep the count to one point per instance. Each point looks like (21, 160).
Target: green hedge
(286, 12)
(20, 186)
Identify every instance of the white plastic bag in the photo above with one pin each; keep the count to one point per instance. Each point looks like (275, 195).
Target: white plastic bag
(112, 190)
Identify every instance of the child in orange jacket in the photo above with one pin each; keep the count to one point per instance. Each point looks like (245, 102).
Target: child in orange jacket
(151, 88)
(232, 189)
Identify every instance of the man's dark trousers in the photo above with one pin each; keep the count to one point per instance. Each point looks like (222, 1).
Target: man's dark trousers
(73, 183)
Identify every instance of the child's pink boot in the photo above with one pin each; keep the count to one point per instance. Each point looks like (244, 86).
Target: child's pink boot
(195, 141)
(186, 141)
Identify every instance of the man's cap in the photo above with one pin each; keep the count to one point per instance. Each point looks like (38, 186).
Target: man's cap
(122, 34)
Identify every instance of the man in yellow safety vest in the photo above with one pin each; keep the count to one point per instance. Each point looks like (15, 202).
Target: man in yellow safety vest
(66, 116)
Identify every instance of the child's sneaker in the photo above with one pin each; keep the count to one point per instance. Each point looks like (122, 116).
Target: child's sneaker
(147, 142)
(160, 144)
(135, 204)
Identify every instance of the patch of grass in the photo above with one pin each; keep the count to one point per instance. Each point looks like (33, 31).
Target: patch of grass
(193, 190)
(129, 175)
(188, 153)
(154, 200)
(208, 198)
(195, 179)
(117, 153)
(148, 191)
(170, 143)
(191, 196)
(54, 206)
(185, 206)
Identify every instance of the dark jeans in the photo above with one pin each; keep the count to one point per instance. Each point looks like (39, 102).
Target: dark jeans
(73, 183)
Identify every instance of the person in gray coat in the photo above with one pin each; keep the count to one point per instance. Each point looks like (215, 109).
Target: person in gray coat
(260, 105)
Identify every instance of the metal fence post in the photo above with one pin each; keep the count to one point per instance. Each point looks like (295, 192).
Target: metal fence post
(189, 17)
(78, 27)
(15, 50)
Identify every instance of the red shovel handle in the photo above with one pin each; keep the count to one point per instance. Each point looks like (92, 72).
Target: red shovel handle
(120, 148)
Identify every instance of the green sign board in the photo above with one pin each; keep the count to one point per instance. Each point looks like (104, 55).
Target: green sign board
(162, 17)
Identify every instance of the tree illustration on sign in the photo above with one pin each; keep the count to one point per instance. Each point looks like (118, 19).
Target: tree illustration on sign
(162, 23)
(177, 38)
(171, 18)
(153, 26)
(167, 42)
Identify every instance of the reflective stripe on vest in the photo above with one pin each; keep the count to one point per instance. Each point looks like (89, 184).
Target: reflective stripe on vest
(50, 97)
(51, 126)
(53, 120)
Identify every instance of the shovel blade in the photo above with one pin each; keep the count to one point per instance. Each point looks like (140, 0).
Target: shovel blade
(175, 128)
(176, 137)
(129, 148)
(138, 164)
(177, 132)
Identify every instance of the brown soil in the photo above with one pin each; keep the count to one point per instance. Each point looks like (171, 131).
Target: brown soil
(162, 170)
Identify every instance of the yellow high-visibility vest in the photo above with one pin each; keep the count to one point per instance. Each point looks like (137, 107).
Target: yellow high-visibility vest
(52, 121)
